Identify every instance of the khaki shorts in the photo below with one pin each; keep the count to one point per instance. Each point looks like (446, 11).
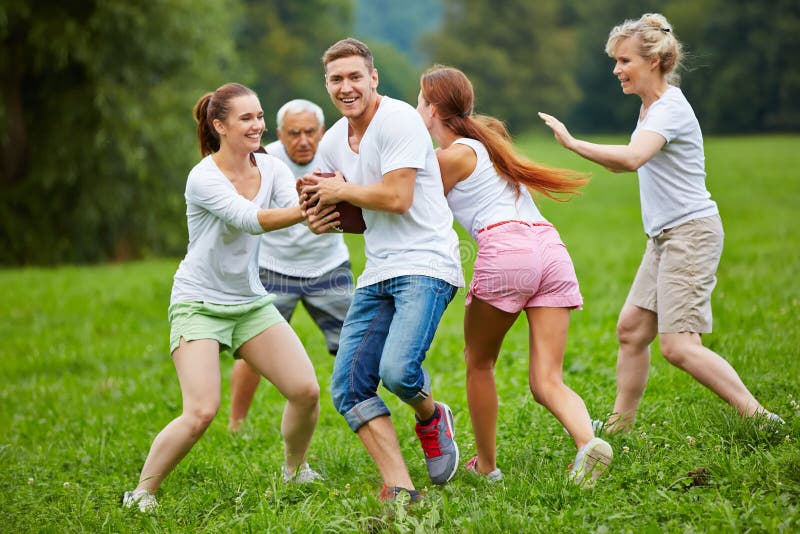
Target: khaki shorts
(232, 325)
(678, 274)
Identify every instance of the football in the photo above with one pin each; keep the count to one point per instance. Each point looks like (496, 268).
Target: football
(351, 220)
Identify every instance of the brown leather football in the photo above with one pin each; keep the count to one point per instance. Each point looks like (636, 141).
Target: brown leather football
(351, 220)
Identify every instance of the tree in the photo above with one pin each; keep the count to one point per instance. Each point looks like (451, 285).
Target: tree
(399, 23)
(519, 56)
(741, 73)
(282, 42)
(398, 77)
(744, 72)
(602, 106)
(96, 131)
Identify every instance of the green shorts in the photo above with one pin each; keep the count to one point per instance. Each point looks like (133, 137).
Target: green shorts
(232, 325)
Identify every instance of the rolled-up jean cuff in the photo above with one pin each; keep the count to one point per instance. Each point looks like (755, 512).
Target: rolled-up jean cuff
(422, 394)
(365, 411)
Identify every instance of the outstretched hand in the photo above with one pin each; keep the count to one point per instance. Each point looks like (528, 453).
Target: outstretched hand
(322, 189)
(560, 131)
(322, 219)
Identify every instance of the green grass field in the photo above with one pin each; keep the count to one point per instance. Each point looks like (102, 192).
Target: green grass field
(86, 382)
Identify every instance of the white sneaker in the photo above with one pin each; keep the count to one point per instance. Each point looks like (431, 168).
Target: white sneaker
(494, 476)
(144, 499)
(590, 462)
(774, 418)
(302, 475)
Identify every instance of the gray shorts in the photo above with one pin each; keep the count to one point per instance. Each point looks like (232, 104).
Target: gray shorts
(326, 298)
(678, 274)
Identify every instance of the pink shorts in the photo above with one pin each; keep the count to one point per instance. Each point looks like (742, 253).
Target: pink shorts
(524, 265)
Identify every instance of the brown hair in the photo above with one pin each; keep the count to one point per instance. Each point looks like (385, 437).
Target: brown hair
(450, 92)
(215, 106)
(656, 38)
(347, 48)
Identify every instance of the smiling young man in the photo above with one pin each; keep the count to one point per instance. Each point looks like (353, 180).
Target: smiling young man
(412, 272)
(296, 265)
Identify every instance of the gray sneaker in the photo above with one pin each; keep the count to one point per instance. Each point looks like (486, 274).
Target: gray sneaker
(142, 498)
(441, 451)
(390, 494)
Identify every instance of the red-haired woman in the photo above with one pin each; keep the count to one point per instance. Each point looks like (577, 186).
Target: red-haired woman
(522, 265)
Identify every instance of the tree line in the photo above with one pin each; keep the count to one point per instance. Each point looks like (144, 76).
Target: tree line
(96, 134)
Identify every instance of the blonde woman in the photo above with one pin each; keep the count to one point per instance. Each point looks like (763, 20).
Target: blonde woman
(671, 294)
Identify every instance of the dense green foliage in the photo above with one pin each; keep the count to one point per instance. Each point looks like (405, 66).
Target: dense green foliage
(281, 42)
(85, 383)
(96, 135)
(744, 71)
(740, 74)
(519, 58)
(526, 56)
(398, 23)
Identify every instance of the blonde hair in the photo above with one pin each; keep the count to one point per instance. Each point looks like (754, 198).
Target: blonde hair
(656, 38)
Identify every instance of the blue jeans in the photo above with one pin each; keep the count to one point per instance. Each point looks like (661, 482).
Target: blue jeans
(385, 337)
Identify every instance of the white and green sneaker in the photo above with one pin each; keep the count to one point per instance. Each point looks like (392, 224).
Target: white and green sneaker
(142, 498)
(590, 462)
(302, 475)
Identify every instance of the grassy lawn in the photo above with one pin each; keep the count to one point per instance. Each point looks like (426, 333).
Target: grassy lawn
(86, 382)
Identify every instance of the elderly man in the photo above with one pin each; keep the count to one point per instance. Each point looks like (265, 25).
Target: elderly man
(294, 263)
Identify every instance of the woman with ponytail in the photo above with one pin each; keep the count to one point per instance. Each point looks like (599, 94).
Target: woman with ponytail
(671, 294)
(522, 264)
(218, 303)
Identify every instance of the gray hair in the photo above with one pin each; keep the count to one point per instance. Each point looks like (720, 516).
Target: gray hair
(656, 38)
(300, 105)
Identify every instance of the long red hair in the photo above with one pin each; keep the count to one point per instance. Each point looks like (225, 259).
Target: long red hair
(450, 92)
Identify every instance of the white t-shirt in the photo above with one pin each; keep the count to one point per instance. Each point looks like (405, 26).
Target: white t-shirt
(485, 198)
(422, 240)
(221, 262)
(672, 185)
(296, 250)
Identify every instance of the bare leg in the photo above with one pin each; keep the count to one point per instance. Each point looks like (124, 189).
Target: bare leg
(686, 351)
(424, 409)
(197, 365)
(244, 382)
(279, 356)
(636, 329)
(548, 336)
(379, 438)
(484, 329)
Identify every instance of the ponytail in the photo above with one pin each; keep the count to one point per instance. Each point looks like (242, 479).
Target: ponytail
(450, 92)
(207, 137)
(516, 169)
(211, 107)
